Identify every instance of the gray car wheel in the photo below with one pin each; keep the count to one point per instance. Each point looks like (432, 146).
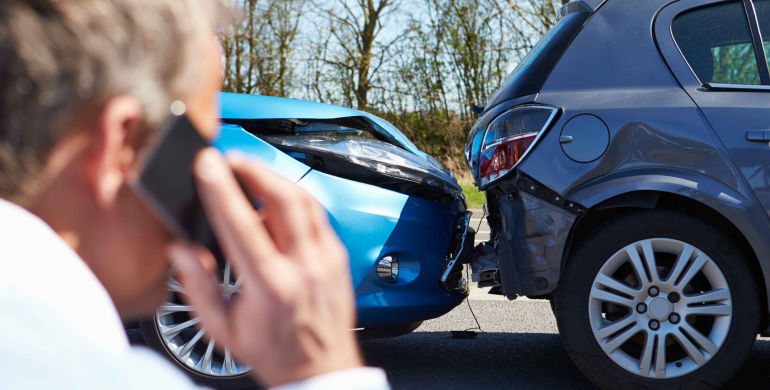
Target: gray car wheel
(662, 310)
(658, 299)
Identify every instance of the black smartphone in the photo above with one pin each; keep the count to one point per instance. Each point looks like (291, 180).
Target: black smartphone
(166, 182)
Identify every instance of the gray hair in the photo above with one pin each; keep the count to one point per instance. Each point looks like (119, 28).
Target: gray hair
(60, 57)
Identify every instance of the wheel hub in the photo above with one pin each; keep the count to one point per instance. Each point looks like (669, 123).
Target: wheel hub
(660, 308)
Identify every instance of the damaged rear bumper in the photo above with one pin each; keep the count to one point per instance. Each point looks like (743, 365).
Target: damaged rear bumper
(534, 225)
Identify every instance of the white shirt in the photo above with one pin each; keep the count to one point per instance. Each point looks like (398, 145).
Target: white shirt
(60, 330)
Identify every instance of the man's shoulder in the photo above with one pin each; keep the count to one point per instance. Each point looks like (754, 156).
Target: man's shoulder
(41, 352)
(44, 283)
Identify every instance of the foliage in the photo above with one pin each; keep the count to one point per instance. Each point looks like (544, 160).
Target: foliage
(420, 64)
(473, 197)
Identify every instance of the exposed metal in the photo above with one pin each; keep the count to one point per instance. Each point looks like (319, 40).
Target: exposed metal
(534, 233)
(638, 324)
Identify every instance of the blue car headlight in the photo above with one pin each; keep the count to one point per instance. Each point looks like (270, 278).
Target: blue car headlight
(374, 156)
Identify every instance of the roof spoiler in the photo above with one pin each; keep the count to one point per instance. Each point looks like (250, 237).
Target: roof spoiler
(578, 6)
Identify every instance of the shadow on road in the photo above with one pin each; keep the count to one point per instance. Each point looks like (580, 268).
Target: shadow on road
(433, 360)
(755, 373)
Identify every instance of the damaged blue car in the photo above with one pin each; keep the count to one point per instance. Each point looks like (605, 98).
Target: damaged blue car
(402, 217)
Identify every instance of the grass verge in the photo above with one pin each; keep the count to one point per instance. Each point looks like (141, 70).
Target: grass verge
(473, 197)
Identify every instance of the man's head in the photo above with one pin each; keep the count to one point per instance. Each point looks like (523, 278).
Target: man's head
(83, 84)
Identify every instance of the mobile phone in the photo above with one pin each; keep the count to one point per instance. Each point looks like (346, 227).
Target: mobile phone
(166, 183)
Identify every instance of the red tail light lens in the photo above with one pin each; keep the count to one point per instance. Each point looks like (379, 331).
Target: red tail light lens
(501, 158)
(509, 137)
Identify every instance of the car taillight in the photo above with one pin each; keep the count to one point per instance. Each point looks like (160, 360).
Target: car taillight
(509, 137)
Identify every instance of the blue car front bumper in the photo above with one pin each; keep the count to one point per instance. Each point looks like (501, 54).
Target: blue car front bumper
(373, 222)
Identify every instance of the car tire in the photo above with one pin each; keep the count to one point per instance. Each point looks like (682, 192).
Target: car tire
(593, 328)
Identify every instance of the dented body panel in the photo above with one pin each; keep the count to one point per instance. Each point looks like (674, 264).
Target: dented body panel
(534, 233)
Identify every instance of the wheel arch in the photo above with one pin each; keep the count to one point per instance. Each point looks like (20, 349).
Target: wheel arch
(622, 192)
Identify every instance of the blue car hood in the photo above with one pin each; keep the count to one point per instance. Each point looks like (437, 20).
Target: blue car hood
(239, 106)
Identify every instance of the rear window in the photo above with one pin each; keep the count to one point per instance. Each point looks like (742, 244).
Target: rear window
(716, 42)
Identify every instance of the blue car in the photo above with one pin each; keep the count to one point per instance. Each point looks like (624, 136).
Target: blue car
(402, 217)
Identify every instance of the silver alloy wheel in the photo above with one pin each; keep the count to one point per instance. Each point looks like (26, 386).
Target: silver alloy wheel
(660, 308)
(176, 326)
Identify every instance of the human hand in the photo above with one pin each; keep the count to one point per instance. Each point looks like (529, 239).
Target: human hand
(294, 315)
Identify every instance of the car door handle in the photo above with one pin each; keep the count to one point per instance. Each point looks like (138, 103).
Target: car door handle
(758, 135)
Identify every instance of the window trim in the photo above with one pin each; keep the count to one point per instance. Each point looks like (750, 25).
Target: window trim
(756, 37)
(736, 87)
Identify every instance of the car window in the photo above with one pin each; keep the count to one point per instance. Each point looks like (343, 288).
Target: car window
(716, 41)
(762, 8)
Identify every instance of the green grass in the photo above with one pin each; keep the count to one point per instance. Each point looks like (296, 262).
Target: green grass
(473, 197)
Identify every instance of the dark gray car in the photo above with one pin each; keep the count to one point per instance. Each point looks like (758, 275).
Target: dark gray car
(626, 166)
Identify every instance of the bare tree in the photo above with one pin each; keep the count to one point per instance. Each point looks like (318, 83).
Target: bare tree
(258, 51)
(356, 26)
(529, 20)
(421, 64)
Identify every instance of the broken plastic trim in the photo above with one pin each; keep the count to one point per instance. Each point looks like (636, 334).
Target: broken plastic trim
(373, 162)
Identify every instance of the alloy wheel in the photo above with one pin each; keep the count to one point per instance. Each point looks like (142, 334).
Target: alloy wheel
(176, 322)
(660, 308)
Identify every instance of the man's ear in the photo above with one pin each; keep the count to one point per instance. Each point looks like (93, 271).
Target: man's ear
(112, 152)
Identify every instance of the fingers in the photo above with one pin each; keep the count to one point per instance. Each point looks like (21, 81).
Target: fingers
(201, 287)
(291, 214)
(240, 233)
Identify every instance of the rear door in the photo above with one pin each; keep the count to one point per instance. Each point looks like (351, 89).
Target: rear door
(716, 51)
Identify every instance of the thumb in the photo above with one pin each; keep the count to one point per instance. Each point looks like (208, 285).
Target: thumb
(201, 288)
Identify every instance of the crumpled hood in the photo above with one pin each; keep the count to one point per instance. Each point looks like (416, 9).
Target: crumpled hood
(240, 106)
